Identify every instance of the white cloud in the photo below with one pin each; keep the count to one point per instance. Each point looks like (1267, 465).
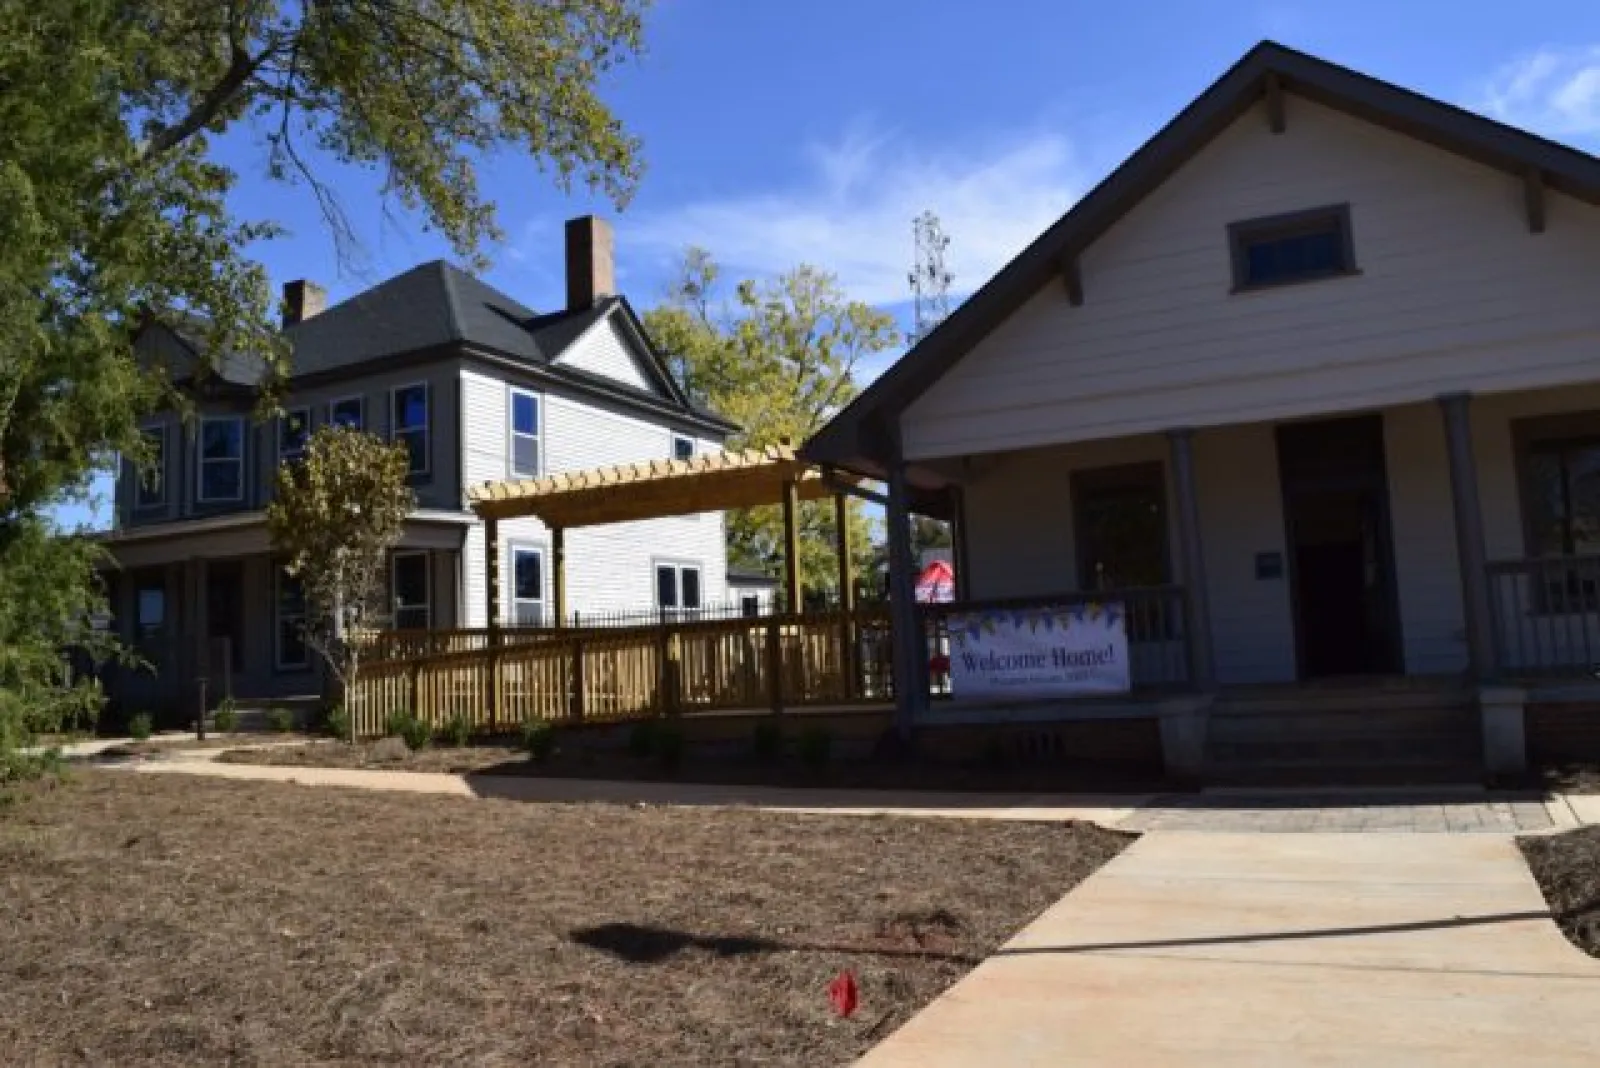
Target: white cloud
(850, 212)
(1555, 91)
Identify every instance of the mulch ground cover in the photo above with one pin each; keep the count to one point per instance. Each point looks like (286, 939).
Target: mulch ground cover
(164, 919)
(1567, 868)
(572, 761)
(1571, 778)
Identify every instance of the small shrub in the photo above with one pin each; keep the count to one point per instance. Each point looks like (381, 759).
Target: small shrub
(336, 722)
(280, 720)
(140, 727)
(816, 747)
(669, 745)
(456, 731)
(642, 739)
(767, 744)
(416, 734)
(226, 717)
(539, 739)
(394, 724)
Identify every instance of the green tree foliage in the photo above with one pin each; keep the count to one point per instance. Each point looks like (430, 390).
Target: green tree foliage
(778, 358)
(334, 518)
(111, 209)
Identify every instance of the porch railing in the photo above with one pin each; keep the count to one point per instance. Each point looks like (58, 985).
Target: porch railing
(620, 673)
(1156, 622)
(1545, 614)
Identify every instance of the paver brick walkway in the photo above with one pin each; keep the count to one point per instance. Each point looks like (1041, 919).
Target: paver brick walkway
(1314, 813)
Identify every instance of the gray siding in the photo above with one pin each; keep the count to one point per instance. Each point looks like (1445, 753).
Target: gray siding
(1454, 294)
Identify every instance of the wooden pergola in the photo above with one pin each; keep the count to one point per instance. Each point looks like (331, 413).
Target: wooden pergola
(657, 489)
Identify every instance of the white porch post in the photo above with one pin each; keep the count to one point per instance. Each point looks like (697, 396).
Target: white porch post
(1470, 551)
(1202, 662)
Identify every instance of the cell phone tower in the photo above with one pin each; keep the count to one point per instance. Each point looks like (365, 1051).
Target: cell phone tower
(930, 278)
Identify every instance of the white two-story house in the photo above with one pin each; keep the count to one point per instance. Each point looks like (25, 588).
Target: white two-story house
(478, 387)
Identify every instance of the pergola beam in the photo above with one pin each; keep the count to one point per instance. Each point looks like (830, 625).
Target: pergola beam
(791, 545)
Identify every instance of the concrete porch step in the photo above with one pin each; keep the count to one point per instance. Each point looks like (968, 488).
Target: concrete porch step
(1320, 773)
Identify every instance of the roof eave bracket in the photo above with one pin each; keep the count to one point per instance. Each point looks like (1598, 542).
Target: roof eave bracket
(1277, 121)
(1072, 279)
(1534, 199)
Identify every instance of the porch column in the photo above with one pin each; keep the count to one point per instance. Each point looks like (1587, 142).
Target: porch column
(847, 577)
(558, 574)
(960, 555)
(791, 545)
(491, 572)
(910, 647)
(197, 574)
(1202, 663)
(1470, 551)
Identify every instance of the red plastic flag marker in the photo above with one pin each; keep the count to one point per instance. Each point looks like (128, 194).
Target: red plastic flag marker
(842, 993)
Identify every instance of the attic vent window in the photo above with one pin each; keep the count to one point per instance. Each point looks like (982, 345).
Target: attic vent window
(1300, 247)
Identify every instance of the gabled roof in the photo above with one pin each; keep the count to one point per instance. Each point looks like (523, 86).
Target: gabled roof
(439, 306)
(858, 437)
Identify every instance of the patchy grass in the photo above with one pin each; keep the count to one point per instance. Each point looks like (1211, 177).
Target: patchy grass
(574, 760)
(155, 919)
(1567, 869)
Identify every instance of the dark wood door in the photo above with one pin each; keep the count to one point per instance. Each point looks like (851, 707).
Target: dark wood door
(1341, 554)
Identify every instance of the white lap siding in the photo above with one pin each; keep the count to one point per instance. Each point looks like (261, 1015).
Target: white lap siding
(609, 568)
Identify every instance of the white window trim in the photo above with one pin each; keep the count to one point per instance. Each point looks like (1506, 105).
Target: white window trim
(361, 403)
(200, 460)
(512, 392)
(512, 600)
(139, 500)
(304, 411)
(394, 587)
(278, 620)
(678, 568)
(427, 422)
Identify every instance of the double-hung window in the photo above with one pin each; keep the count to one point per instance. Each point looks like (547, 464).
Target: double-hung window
(677, 589)
(221, 469)
(150, 479)
(1561, 477)
(289, 640)
(524, 458)
(349, 412)
(408, 420)
(412, 591)
(294, 430)
(527, 586)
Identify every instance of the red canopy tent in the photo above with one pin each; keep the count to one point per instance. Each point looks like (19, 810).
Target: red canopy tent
(937, 583)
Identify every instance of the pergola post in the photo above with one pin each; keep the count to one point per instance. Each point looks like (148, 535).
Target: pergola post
(491, 578)
(558, 575)
(791, 545)
(847, 594)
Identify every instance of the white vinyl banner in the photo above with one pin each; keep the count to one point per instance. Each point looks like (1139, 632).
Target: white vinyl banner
(1039, 652)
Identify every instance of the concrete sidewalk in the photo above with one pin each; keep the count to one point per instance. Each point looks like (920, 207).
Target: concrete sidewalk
(1278, 949)
(1105, 810)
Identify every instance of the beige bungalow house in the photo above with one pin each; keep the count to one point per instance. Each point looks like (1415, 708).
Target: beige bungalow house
(1311, 386)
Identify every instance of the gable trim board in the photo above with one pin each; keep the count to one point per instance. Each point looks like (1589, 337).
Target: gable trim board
(858, 437)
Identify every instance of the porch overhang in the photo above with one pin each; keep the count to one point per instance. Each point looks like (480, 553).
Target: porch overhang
(245, 534)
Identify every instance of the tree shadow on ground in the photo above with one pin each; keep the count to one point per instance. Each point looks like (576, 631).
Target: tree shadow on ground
(641, 944)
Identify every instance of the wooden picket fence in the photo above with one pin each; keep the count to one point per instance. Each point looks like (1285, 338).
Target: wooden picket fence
(611, 674)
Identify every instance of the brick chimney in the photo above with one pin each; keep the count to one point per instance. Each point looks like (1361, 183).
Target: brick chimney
(302, 300)
(591, 272)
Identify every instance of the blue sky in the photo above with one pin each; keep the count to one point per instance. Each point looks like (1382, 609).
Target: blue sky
(780, 133)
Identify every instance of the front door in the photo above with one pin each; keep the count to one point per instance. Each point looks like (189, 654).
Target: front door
(1341, 560)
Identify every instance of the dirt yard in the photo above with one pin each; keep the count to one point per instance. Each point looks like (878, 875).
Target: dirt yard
(155, 919)
(573, 762)
(1567, 868)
